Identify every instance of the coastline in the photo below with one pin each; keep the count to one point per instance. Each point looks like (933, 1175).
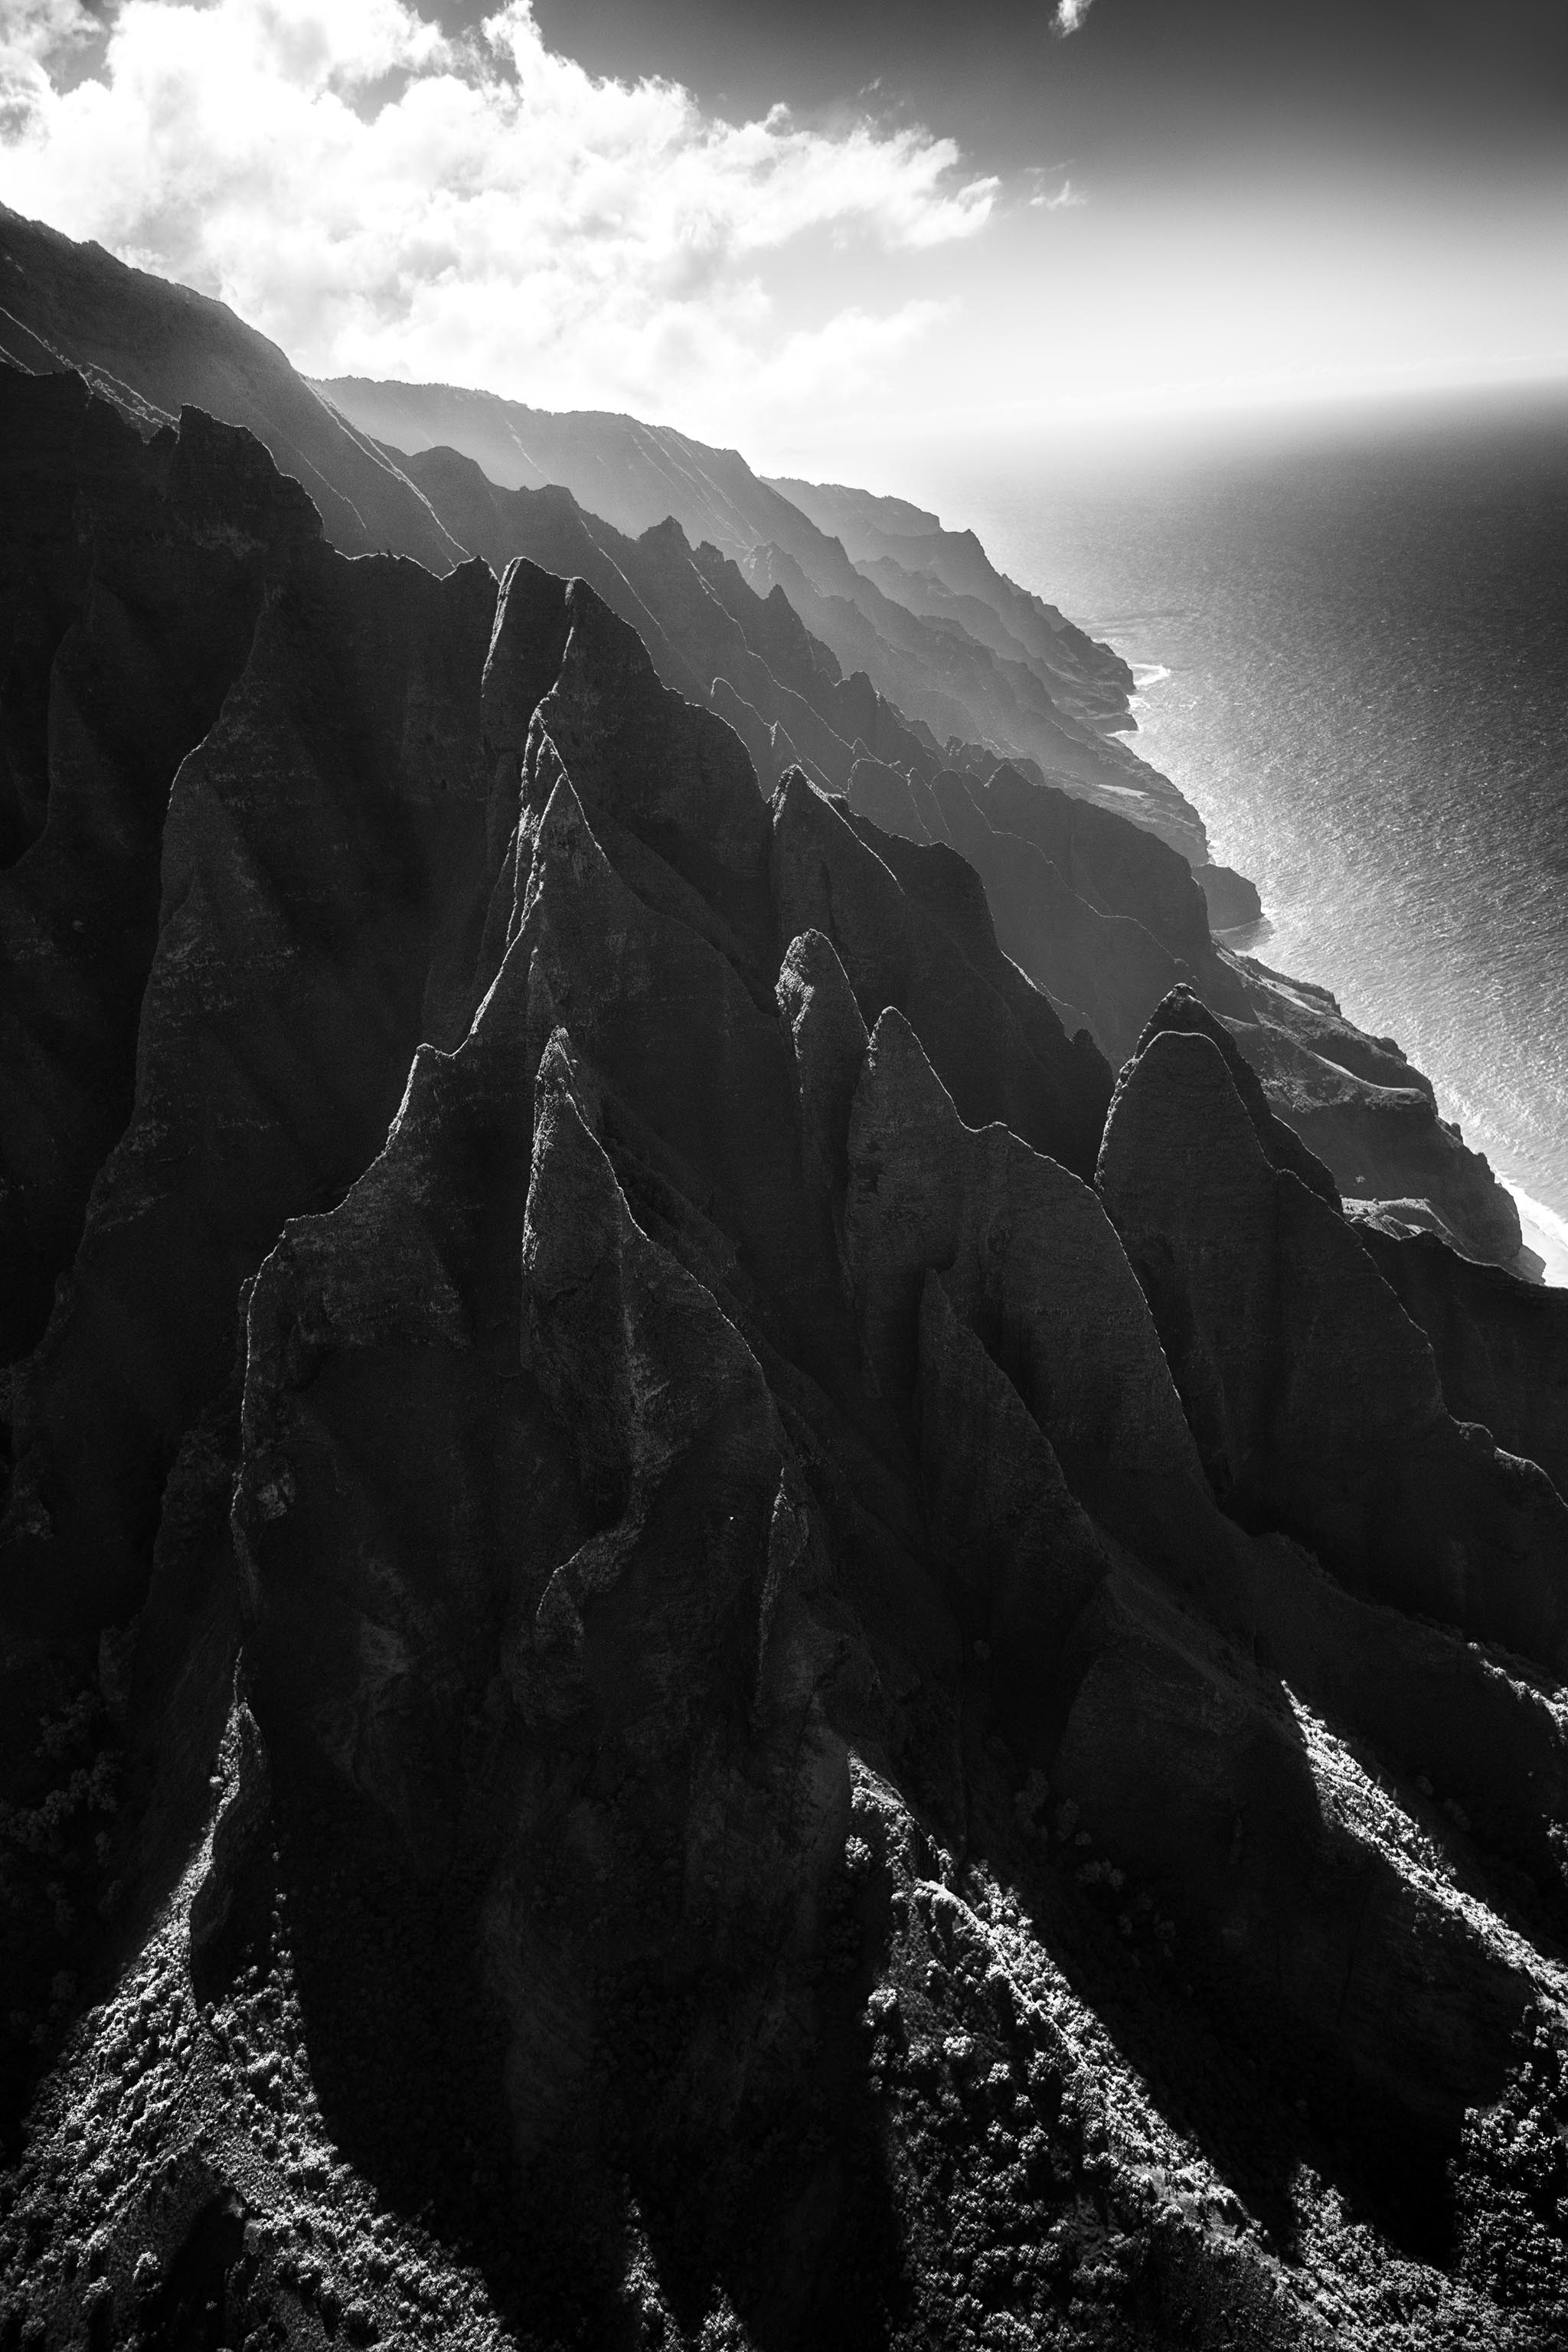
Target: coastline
(1544, 1232)
(1145, 675)
(1543, 1229)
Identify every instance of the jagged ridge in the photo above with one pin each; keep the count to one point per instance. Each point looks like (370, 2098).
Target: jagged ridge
(808, 1741)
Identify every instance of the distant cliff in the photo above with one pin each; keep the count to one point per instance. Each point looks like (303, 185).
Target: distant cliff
(949, 576)
(1049, 702)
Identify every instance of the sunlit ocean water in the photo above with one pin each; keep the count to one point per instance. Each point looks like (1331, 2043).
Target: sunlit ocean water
(1354, 658)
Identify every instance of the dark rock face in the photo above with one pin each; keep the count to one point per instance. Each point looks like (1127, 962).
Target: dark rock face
(131, 582)
(311, 879)
(695, 1757)
(1501, 1345)
(912, 928)
(153, 350)
(1314, 1399)
(1186, 1013)
(1367, 1114)
(708, 634)
(1103, 916)
(998, 668)
(1232, 900)
(803, 678)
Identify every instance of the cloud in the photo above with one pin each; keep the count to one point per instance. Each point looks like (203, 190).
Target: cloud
(39, 30)
(379, 198)
(1070, 14)
(1067, 199)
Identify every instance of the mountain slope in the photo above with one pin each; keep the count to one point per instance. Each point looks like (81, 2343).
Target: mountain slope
(876, 688)
(948, 574)
(712, 637)
(698, 1646)
(152, 348)
(937, 672)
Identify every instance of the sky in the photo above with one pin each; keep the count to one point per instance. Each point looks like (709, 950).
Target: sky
(831, 230)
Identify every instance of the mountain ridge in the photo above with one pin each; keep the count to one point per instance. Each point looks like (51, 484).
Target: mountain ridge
(634, 474)
(702, 1641)
(1360, 1104)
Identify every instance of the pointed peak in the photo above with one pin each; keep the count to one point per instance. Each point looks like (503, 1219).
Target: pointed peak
(528, 641)
(565, 836)
(812, 982)
(898, 1086)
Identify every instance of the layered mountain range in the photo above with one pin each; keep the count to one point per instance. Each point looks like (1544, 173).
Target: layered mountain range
(736, 1609)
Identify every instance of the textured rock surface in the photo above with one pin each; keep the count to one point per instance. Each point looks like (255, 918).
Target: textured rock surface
(631, 1717)
(1500, 1344)
(950, 574)
(131, 581)
(315, 865)
(912, 928)
(1367, 1114)
(1232, 901)
(962, 651)
(709, 633)
(1184, 1011)
(1314, 1399)
(947, 670)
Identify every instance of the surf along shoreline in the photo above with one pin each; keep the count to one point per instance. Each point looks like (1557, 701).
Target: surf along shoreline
(1543, 1257)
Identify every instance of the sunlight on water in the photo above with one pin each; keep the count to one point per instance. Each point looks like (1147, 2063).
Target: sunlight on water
(1354, 661)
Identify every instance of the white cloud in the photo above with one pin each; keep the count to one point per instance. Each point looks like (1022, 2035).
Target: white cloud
(380, 199)
(1070, 14)
(40, 28)
(1066, 199)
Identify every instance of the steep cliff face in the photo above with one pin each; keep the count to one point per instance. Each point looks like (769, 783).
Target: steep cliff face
(762, 613)
(1039, 689)
(152, 349)
(132, 578)
(953, 684)
(738, 1707)
(1368, 1114)
(947, 574)
(1500, 1344)
(1314, 1399)
(308, 872)
(712, 637)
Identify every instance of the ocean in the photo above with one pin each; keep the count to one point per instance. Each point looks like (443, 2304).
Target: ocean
(1352, 655)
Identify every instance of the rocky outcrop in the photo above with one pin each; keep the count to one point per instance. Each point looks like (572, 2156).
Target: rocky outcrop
(1104, 917)
(912, 928)
(1315, 1401)
(132, 578)
(1232, 901)
(1500, 1344)
(1368, 1114)
(315, 880)
(1184, 1011)
(693, 1756)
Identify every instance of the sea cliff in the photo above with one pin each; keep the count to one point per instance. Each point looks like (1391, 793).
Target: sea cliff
(732, 1608)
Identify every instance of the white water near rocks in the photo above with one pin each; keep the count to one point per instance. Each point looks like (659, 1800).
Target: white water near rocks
(1354, 658)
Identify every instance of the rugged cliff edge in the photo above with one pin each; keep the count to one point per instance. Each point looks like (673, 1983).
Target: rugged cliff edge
(750, 602)
(1048, 694)
(701, 1646)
